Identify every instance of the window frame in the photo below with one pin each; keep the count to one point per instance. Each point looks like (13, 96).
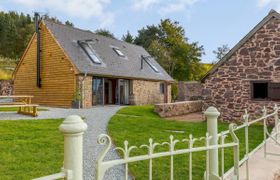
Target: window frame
(118, 52)
(89, 54)
(162, 88)
(147, 59)
(252, 90)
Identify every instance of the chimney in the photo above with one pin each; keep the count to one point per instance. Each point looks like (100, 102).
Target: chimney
(37, 22)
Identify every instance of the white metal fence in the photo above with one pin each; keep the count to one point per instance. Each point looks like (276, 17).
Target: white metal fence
(73, 128)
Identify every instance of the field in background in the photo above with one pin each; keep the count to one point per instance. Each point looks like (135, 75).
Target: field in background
(7, 67)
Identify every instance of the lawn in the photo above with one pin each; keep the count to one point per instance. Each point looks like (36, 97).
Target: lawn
(138, 123)
(30, 148)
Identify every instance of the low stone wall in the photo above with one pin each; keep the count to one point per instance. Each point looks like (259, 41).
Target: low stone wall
(6, 87)
(178, 108)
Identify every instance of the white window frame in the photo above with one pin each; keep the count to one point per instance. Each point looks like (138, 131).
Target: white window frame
(119, 52)
(86, 46)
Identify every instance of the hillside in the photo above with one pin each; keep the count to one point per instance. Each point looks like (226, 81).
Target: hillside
(7, 67)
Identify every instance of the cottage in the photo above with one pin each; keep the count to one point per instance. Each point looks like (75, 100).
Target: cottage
(248, 77)
(63, 65)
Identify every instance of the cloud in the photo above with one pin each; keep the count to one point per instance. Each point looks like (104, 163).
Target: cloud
(143, 4)
(176, 6)
(163, 6)
(85, 9)
(273, 3)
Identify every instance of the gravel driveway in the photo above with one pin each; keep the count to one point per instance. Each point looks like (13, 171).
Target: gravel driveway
(97, 119)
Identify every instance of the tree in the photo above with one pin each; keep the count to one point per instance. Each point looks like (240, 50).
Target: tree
(16, 30)
(105, 32)
(128, 37)
(162, 55)
(68, 23)
(221, 52)
(147, 35)
(167, 43)
(54, 19)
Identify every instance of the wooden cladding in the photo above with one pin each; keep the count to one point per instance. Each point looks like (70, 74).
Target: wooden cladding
(57, 73)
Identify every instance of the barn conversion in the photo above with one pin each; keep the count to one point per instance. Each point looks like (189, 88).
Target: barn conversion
(248, 77)
(63, 66)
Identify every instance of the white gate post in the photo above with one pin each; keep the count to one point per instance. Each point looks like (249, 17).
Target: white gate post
(73, 128)
(212, 115)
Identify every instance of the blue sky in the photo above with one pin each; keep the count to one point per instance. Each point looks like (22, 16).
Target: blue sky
(209, 22)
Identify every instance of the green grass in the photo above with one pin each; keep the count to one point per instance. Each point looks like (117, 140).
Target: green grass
(30, 148)
(16, 109)
(138, 123)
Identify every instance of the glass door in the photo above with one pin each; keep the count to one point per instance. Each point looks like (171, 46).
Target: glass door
(123, 91)
(97, 91)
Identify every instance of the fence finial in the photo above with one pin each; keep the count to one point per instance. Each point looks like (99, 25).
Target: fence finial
(264, 111)
(246, 117)
(73, 128)
(212, 115)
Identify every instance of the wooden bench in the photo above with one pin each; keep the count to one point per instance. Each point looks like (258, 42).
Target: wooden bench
(27, 109)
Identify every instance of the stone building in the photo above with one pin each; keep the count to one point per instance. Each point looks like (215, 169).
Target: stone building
(189, 90)
(65, 66)
(248, 77)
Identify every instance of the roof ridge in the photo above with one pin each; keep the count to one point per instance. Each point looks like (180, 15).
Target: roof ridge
(260, 24)
(89, 31)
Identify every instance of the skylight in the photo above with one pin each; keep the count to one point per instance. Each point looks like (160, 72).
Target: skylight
(148, 61)
(119, 52)
(86, 46)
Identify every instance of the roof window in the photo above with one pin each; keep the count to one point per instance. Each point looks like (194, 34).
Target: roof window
(119, 52)
(147, 59)
(86, 46)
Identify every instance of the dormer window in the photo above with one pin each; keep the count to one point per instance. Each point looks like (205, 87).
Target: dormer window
(86, 46)
(119, 52)
(147, 59)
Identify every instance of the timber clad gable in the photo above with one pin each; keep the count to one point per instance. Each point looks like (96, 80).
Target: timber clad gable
(57, 73)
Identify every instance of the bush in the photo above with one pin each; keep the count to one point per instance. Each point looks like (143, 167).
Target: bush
(174, 91)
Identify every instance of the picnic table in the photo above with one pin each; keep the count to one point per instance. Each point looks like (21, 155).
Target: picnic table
(23, 102)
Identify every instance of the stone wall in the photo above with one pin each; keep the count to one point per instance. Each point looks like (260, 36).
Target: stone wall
(178, 108)
(6, 87)
(85, 85)
(147, 92)
(190, 90)
(229, 87)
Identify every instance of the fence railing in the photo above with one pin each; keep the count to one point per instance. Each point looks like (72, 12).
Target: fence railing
(73, 128)
(266, 135)
(210, 147)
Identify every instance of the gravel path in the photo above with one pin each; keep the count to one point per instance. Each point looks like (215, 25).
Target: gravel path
(97, 119)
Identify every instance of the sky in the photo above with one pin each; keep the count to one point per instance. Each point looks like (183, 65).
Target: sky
(211, 23)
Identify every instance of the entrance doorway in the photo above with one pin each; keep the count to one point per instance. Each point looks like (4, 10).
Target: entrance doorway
(123, 91)
(110, 91)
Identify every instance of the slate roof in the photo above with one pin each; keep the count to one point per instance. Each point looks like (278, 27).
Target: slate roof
(112, 64)
(271, 14)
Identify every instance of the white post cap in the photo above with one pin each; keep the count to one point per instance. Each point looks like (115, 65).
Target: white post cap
(73, 124)
(211, 111)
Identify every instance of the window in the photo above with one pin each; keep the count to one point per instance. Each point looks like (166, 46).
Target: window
(119, 52)
(264, 90)
(162, 88)
(259, 90)
(148, 61)
(86, 46)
